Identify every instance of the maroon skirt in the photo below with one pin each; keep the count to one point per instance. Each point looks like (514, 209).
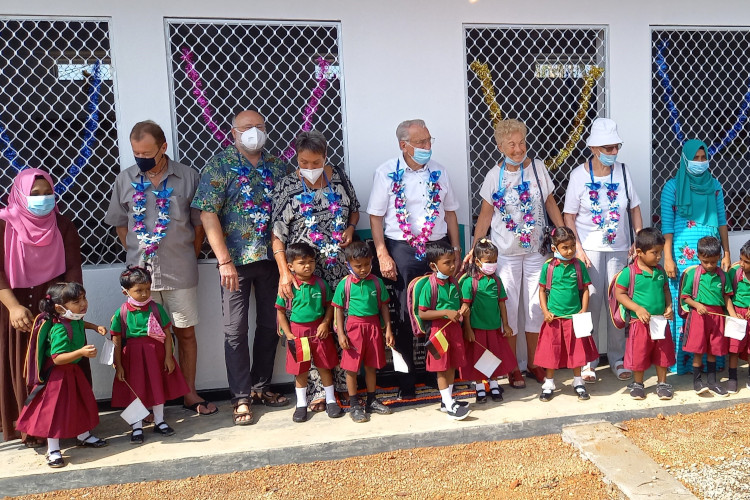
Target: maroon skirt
(559, 348)
(143, 361)
(497, 344)
(64, 407)
(455, 357)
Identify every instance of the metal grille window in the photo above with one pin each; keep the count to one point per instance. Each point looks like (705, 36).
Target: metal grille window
(551, 78)
(57, 112)
(700, 88)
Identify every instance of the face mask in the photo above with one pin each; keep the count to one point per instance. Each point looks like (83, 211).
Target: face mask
(68, 314)
(146, 164)
(357, 275)
(440, 275)
(489, 268)
(512, 163)
(311, 174)
(135, 303)
(421, 156)
(253, 139)
(40, 205)
(607, 160)
(696, 167)
(559, 256)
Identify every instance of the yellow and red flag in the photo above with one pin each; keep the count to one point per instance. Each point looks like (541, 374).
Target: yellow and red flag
(437, 345)
(300, 349)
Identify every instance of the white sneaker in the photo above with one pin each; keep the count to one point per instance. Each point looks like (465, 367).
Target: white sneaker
(458, 412)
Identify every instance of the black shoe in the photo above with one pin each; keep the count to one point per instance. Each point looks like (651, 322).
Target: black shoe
(458, 412)
(163, 429)
(496, 393)
(581, 392)
(546, 395)
(732, 386)
(91, 442)
(637, 391)
(462, 404)
(334, 410)
(358, 414)
(481, 396)
(57, 462)
(700, 386)
(376, 406)
(136, 437)
(664, 391)
(718, 389)
(406, 394)
(300, 414)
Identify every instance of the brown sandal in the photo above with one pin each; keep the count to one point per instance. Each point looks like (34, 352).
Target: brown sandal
(514, 378)
(271, 399)
(318, 406)
(244, 417)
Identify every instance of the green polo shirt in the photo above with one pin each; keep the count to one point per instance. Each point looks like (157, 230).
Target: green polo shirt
(709, 288)
(648, 291)
(136, 321)
(307, 304)
(741, 296)
(59, 342)
(363, 300)
(485, 309)
(449, 296)
(564, 297)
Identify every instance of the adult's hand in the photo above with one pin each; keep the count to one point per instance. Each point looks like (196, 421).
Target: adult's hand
(286, 281)
(726, 262)
(21, 318)
(459, 264)
(670, 267)
(581, 255)
(348, 235)
(387, 267)
(229, 277)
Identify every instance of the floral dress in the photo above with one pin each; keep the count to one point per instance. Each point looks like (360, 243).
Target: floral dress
(686, 234)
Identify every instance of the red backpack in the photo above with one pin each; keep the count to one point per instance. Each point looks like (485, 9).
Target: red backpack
(684, 311)
(37, 367)
(418, 326)
(348, 293)
(552, 263)
(321, 285)
(620, 314)
(123, 319)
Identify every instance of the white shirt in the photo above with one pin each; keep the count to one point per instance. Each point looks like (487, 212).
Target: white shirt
(578, 202)
(382, 198)
(506, 241)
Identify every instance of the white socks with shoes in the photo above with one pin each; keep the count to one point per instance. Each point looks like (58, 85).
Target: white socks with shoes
(301, 393)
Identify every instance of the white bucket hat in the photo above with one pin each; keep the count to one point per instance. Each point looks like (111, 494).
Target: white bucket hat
(603, 133)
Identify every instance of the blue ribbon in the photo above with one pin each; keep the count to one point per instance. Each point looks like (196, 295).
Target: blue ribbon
(661, 71)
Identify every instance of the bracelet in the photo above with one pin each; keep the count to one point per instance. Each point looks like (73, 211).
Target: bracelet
(278, 251)
(352, 225)
(218, 265)
(456, 249)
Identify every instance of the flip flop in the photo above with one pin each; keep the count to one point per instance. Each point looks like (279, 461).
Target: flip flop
(204, 403)
(621, 372)
(271, 399)
(514, 378)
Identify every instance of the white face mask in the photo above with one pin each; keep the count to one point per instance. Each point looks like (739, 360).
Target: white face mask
(68, 314)
(253, 139)
(311, 174)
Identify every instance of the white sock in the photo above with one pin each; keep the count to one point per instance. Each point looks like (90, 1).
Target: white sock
(549, 383)
(84, 436)
(330, 394)
(494, 384)
(451, 389)
(53, 444)
(301, 396)
(138, 425)
(158, 413)
(577, 381)
(479, 386)
(447, 397)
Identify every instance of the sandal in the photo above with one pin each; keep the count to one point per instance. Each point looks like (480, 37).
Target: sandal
(271, 399)
(243, 417)
(621, 372)
(136, 437)
(318, 406)
(34, 442)
(516, 380)
(538, 373)
(588, 374)
(55, 460)
(496, 394)
(196, 407)
(482, 396)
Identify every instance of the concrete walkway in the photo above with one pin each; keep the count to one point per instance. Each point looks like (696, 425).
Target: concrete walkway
(212, 445)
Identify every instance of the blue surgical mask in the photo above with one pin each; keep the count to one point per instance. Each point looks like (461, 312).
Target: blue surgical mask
(422, 156)
(607, 160)
(441, 275)
(559, 256)
(696, 167)
(512, 163)
(40, 205)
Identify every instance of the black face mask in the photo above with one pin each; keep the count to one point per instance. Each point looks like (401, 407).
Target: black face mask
(146, 164)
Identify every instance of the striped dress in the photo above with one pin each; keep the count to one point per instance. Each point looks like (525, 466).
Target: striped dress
(686, 234)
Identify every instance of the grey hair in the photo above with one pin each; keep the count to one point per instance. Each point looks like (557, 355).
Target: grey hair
(312, 141)
(238, 113)
(402, 131)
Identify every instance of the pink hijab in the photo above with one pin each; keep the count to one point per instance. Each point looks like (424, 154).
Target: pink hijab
(34, 251)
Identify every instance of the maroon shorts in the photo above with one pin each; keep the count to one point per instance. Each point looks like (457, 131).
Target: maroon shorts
(365, 343)
(559, 348)
(641, 351)
(497, 344)
(322, 351)
(740, 346)
(455, 357)
(705, 334)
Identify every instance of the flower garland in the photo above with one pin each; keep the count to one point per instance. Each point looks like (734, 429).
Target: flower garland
(611, 223)
(149, 242)
(432, 210)
(522, 231)
(329, 250)
(260, 214)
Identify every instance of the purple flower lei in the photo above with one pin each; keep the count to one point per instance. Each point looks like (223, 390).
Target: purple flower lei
(329, 250)
(260, 214)
(149, 242)
(522, 231)
(611, 223)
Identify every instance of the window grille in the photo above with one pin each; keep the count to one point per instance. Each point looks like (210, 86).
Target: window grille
(57, 112)
(539, 75)
(700, 88)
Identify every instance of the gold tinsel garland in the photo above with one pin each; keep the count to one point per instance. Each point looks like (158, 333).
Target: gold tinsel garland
(483, 73)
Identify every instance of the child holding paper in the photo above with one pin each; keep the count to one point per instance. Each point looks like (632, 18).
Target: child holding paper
(704, 328)
(310, 320)
(650, 298)
(739, 276)
(563, 292)
(486, 327)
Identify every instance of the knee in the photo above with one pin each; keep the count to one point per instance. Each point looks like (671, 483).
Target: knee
(185, 334)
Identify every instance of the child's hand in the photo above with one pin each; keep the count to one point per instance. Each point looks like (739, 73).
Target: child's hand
(582, 311)
(390, 340)
(701, 309)
(169, 363)
(747, 314)
(452, 315)
(344, 341)
(643, 314)
(548, 317)
(120, 373)
(469, 335)
(323, 329)
(87, 351)
(669, 314)
(507, 330)
(102, 330)
(465, 309)
(289, 336)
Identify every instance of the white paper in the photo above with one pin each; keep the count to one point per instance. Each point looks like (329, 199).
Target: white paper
(735, 328)
(107, 353)
(583, 325)
(657, 326)
(399, 364)
(487, 363)
(135, 412)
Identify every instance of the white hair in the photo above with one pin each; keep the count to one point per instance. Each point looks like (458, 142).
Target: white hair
(402, 131)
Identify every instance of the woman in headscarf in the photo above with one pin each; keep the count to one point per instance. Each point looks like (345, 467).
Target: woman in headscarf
(692, 206)
(39, 247)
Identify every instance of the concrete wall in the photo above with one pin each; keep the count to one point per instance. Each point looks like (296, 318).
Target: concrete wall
(401, 59)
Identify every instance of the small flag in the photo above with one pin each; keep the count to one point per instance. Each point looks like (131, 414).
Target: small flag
(107, 354)
(300, 349)
(135, 412)
(487, 363)
(437, 345)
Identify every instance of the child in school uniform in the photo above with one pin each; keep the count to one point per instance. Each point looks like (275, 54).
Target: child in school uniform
(651, 296)
(704, 328)
(446, 316)
(560, 298)
(739, 276)
(486, 326)
(361, 332)
(311, 317)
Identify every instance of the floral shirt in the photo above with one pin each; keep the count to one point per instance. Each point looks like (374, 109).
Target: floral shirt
(219, 192)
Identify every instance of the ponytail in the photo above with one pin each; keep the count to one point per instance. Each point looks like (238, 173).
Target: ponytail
(59, 294)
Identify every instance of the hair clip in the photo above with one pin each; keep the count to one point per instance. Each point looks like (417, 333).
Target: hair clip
(48, 297)
(483, 240)
(553, 231)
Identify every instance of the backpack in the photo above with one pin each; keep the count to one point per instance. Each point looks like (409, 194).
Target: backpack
(738, 276)
(620, 314)
(348, 293)
(419, 326)
(124, 324)
(552, 263)
(321, 285)
(683, 312)
(36, 368)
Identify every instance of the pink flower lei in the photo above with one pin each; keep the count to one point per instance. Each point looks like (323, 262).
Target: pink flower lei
(260, 213)
(523, 230)
(611, 223)
(329, 250)
(149, 242)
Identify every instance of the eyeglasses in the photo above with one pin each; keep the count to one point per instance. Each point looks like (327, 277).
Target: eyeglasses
(420, 144)
(261, 127)
(611, 148)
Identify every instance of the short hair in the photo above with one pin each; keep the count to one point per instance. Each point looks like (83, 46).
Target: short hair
(59, 294)
(485, 248)
(148, 127)
(506, 127)
(236, 114)
(357, 250)
(648, 238)
(562, 234)
(299, 250)
(134, 275)
(402, 131)
(708, 246)
(436, 249)
(312, 141)
(745, 250)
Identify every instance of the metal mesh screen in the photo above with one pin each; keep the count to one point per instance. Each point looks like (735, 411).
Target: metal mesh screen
(57, 112)
(700, 88)
(551, 78)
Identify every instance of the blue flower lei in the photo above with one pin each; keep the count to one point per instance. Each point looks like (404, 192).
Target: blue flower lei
(260, 214)
(522, 231)
(149, 242)
(610, 224)
(329, 250)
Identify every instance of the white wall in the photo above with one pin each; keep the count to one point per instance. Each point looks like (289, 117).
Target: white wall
(402, 59)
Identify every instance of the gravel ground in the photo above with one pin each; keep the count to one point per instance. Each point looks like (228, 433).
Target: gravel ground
(709, 452)
(538, 467)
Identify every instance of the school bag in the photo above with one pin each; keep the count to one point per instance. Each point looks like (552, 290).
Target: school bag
(552, 263)
(36, 369)
(123, 323)
(620, 314)
(321, 285)
(738, 276)
(419, 326)
(348, 293)
(696, 284)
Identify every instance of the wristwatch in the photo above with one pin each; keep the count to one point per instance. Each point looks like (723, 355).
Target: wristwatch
(456, 249)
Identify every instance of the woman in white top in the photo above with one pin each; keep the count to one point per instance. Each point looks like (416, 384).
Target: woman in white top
(514, 200)
(596, 209)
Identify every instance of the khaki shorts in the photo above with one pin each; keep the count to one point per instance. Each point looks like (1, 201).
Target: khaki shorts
(181, 305)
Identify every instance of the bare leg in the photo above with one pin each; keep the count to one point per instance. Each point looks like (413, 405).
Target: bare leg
(638, 375)
(370, 378)
(661, 375)
(187, 350)
(351, 384)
